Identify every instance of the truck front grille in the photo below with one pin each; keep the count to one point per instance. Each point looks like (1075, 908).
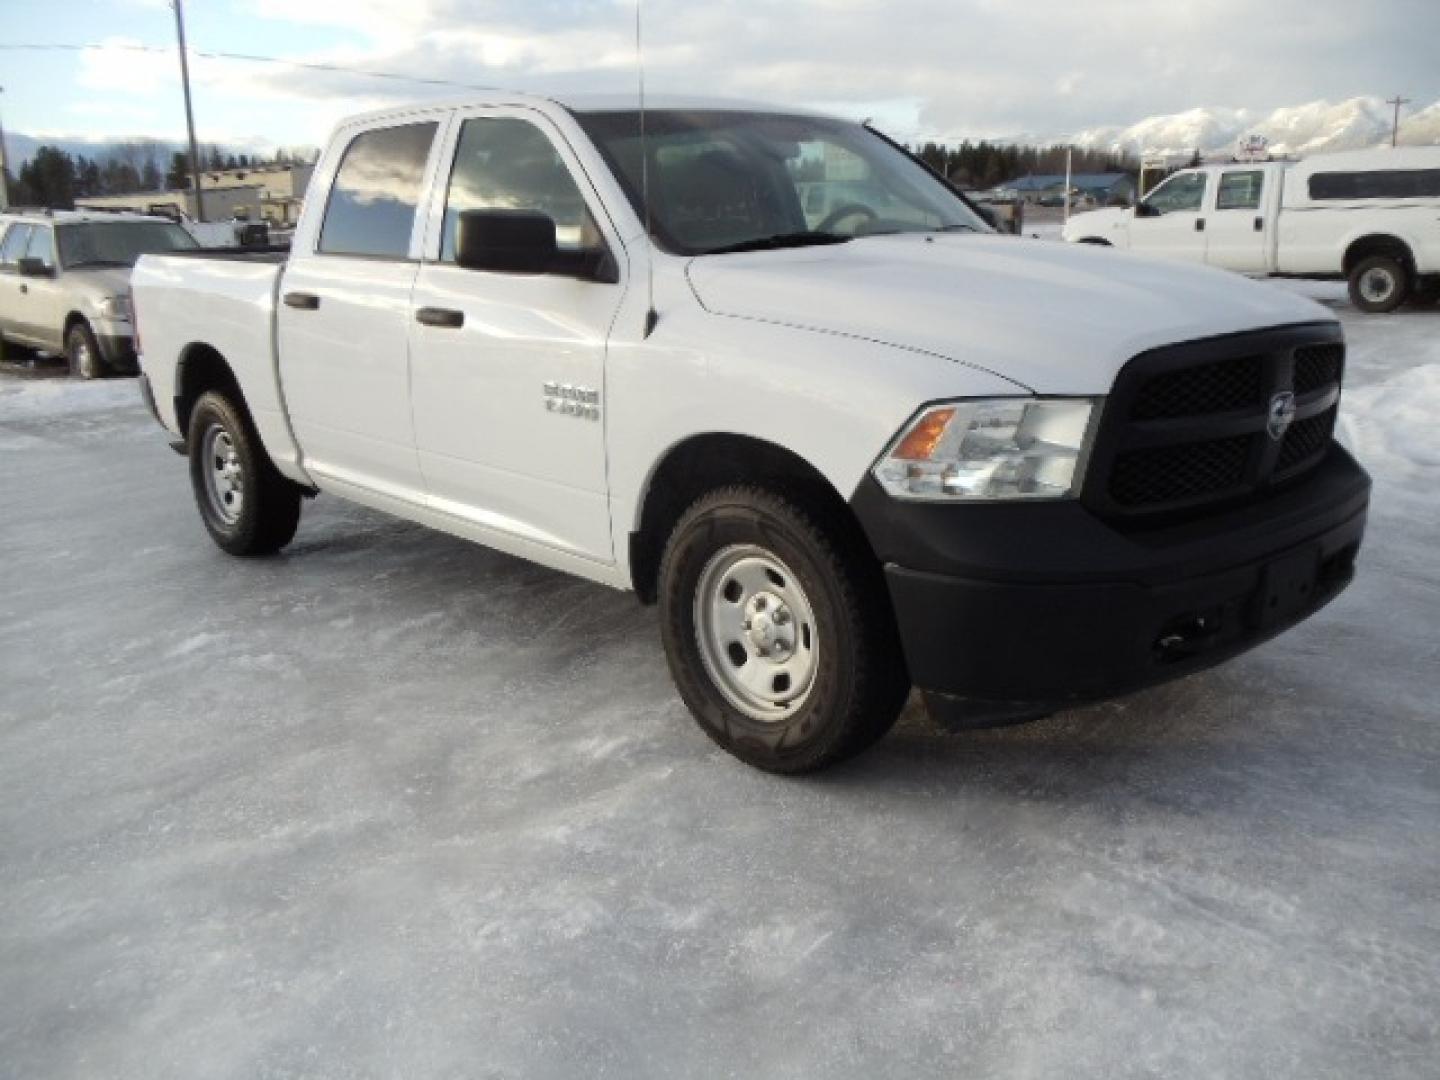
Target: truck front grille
(1191, 426)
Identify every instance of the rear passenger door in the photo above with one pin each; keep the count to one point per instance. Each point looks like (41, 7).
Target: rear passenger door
(1236, 224)
(344, 313)
(14, 290)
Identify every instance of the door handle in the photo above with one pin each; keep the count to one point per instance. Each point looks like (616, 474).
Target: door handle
(435, 316)
(1199, 224)
(1259, 224)
(304, 301)
(24, 288)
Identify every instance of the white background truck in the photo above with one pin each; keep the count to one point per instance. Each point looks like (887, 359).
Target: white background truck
(846, 456)
(1370, 217)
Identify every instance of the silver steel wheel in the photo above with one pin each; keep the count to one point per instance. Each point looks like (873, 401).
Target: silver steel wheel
(82, 358)
(1377, 285)
(224, 475)
(756, 632)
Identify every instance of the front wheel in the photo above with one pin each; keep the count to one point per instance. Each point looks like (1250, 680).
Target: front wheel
(1378, 284)
(778, 634)
(83, 351)
(248, 508)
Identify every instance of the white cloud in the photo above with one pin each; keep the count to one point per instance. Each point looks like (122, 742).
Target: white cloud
(932, 68)
(977, 66)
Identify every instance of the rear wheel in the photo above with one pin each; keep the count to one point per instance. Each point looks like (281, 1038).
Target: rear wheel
(779, 636)
(83, 351)
(247, 506)
(1378, 284)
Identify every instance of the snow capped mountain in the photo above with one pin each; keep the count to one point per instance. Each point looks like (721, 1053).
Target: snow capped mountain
(1301, 129)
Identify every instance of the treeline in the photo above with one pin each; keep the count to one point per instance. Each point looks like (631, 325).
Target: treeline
(984, 164)
(56, 178)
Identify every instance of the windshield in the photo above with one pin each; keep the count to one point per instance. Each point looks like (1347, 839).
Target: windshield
(118, 243)
(727, 181)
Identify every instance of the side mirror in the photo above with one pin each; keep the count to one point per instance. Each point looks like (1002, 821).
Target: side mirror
(506, 241)
(1144, 209)
(32, 267)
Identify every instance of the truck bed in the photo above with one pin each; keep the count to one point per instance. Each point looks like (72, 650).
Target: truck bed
(221, 300)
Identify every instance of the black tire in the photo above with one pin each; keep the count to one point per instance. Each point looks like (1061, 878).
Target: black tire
(264, 517)
(859, 680)
(1379, 284)
(83, 351)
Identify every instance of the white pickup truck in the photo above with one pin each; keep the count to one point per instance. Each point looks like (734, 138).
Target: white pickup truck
(847, 456)
(1370, 217)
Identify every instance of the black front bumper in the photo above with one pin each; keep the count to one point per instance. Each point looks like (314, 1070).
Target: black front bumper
(1008, 611)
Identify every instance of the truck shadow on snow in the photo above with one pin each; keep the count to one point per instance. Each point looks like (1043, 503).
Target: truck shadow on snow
(1198, 743)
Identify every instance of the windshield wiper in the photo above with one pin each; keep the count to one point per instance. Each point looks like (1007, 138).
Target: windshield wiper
(780, 240)
(99, 262)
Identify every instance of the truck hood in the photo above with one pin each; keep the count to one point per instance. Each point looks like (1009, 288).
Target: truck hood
(97, 282)
(1053, 318)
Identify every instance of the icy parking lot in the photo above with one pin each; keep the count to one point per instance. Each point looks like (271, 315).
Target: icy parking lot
(393, 805)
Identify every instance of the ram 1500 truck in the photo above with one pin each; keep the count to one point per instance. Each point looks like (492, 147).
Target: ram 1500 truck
(1369, 217)
(880, 448)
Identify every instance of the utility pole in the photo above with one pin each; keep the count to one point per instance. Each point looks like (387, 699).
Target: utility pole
(4, 166)
(189, 112)
(1069, 150)
(1397, 101)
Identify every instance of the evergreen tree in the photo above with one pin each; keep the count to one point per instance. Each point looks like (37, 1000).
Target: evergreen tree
(178, 178)
(49, 178)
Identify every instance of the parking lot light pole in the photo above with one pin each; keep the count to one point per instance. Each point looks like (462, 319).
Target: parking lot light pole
(189, 112)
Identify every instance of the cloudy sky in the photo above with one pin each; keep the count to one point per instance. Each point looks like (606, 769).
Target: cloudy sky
(941, 68)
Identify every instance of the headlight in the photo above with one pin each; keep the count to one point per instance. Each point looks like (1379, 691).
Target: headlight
(115, 307)
(1012, 448)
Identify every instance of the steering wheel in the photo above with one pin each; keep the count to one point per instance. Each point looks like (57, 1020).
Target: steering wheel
(840, 213)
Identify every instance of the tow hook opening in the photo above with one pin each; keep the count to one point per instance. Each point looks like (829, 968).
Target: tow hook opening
(1187, 634)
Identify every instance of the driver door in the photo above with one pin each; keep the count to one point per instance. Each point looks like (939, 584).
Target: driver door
(508, 370)
(1170, 220)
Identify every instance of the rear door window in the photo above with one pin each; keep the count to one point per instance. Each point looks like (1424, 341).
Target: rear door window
(377, 188)
(1240, 190)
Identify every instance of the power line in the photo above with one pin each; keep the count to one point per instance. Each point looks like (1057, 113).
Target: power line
(253, 58)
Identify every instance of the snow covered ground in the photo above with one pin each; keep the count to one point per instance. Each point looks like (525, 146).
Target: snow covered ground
(394, 805)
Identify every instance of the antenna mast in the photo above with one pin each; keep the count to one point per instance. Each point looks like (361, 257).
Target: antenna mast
(651, 318)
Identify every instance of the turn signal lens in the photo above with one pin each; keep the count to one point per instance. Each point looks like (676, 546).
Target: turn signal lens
(922, 439)
(1008, 448)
